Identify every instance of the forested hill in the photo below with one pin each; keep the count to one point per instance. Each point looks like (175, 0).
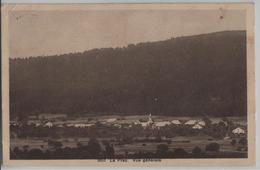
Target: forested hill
(184, 76)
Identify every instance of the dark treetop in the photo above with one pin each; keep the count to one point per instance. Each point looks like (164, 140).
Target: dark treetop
(185, 76)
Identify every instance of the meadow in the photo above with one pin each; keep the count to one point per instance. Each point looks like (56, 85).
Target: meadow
(130, 138)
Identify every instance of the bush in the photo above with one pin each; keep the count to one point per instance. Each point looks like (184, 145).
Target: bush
(213, 147)
(79, 144)
(162, 149)
(239, 149)
(110, 152)
(180, 153)
(35, 154)
(233, 142)
(207, 121)
(16, 151)
(94, 147)
(25, 147)
(196, 151)
(243, 142)
(54, 144)
(127, 140)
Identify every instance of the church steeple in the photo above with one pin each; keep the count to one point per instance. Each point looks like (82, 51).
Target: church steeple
(150, 120)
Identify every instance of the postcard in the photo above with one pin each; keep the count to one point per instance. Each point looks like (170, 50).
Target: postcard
(121, 85)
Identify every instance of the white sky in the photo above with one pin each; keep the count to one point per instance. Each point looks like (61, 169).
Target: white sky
(57, 32)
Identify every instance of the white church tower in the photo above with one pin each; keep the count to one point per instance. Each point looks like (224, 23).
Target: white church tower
(150, 121)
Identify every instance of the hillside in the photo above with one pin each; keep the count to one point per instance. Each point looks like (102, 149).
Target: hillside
(188, 76)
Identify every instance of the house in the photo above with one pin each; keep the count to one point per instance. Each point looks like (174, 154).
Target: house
(48, 124)
(111, 120)
(92, 122)
(137, 122)
(145, 123)
(201, 122)
(80, 125)
(37, 124)
(89, 124)
(226, 137)
(70, 125)
(176, 122)
(117, 125)
(60, 125)
(238, 130)
(197, 126)
(191, 122)
(162, 124)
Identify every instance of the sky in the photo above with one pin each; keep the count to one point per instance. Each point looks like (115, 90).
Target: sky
(43, 33)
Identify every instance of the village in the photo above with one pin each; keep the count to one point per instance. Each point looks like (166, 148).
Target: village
(147, 121)
(129, 135)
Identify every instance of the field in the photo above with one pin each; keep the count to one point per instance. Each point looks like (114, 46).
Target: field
(130, 140)
(187, 143)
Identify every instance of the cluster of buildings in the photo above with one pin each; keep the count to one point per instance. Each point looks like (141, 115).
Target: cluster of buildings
(46, 121)
(195, 124)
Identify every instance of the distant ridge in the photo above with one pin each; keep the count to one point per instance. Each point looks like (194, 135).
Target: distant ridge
(189, 76)
(136, 44)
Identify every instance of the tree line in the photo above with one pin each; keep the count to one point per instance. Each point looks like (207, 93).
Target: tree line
(188, 76)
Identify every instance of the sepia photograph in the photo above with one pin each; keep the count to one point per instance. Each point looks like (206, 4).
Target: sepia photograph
(113, 84)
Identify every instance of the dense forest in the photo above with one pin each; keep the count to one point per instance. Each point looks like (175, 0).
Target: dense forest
(191, 75)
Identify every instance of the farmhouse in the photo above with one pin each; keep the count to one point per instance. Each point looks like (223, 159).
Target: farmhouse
(147, 123)
(238, 130)
(92, 122)
(197, 126)
(201, 122)
(80, 125)
(217, 121)
(191, 122)
(118, 125)
(144, 124)
(162, 124)
(137, 122)
(226, 137)
(176, 122)
(70, 125)
(89, 124)
(37, 124)
(111, 120)
(48, 124)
